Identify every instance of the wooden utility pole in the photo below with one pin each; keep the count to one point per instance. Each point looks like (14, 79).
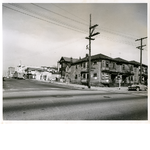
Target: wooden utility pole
(91, 34)
(141, 48)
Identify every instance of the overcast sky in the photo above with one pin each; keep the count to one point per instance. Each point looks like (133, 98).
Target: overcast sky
(40, 34)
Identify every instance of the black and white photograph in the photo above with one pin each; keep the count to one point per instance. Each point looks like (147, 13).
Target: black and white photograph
(75, 61)
(75, 75)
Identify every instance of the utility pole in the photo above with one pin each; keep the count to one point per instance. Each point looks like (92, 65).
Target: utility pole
(141, 48)
(91, 34)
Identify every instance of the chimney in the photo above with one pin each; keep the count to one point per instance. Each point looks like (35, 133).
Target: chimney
(86, 55)
(79, 58)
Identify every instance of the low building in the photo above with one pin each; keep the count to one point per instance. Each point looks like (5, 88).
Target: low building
(11, 71)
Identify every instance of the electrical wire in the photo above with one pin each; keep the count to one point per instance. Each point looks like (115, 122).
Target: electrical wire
(70, 13)
(53, 19)
(106, 30)
(58, 14)
(42, 19)
(112, 39)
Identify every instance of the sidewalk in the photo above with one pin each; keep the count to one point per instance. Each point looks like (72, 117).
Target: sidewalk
(110, 89)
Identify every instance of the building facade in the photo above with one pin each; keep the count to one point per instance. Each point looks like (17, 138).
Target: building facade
(105, 71)
(65, 62)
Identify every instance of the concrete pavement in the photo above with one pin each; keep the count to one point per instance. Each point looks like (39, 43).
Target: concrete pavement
(110, 89)
(103, 89)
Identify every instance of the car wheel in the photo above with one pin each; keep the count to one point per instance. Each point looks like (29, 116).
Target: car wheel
(137, 89)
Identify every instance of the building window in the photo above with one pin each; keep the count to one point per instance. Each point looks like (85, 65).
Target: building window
(131, 78)
(84, 76)
(103, 63)
(95, 75)
(76, 76)
(84, 65)
(113, 65)
(107, 64)
(95, 63)
(123, 67)
(131, 68)
(76, 66)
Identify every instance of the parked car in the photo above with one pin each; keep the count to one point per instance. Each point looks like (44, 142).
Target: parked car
(137, 87)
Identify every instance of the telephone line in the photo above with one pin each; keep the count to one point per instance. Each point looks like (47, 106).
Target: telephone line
(82, 31)
(57, 14)
(105, 30)
(20, 7)
(43, 19)
(112, 32)
(70, 13)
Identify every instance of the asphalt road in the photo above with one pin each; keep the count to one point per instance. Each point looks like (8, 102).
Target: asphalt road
(53, 102)
(20, 84)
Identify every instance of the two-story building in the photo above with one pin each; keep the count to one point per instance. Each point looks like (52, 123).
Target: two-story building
(104, 71)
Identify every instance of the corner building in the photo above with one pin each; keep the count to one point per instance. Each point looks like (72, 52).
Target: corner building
(105, 71)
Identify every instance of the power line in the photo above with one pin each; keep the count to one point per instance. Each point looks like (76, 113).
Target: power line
(118, 34)
(58, 24)
(43, 19)
(111, 32)
(20, 7)
(69, 13)
(57, 13)
(70, 27)
(115, 40)
(106, 30)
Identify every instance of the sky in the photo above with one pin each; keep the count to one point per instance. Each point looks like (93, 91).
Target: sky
(39, 34)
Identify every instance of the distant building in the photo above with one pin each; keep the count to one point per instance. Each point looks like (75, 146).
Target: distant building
(11, 71)
(42, 73)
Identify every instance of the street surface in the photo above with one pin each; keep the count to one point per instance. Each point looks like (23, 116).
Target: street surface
(38, 100)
